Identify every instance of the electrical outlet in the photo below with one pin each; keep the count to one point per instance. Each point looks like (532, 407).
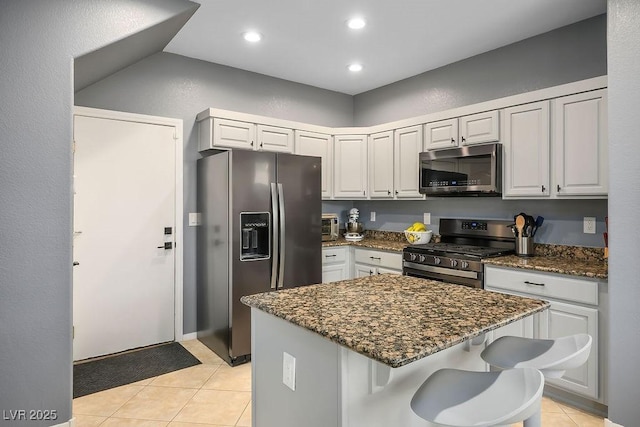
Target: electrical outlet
(373, 216)
(289, 370)
(426, 220)
(589, 225)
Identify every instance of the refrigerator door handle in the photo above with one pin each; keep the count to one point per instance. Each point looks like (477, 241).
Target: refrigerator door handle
(282, 248)
(275, 235)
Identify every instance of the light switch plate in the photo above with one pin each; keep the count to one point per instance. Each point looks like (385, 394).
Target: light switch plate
(195, 219)
(373, 216)
(289, 370)
(426, 218)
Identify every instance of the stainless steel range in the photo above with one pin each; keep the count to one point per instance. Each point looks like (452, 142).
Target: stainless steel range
(457, 258)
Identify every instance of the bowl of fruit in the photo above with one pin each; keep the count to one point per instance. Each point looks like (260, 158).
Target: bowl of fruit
(418, 234)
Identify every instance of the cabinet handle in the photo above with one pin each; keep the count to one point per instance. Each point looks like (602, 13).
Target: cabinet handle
(558, 187)
(370, 272)
(261, 144)
(453, 141)
(533, 283)
(463, 140)
(389, 192)
(396, 191)
(252, 143)
(375, 257)
(330, 256)
(543, 188)
(364, 193)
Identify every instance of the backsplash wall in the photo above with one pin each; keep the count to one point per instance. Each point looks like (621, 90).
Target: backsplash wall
(563, 219)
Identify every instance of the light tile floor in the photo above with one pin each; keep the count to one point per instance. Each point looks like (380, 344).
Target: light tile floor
(214, 394)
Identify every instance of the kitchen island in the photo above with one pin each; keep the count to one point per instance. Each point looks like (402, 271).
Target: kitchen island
(362, 347)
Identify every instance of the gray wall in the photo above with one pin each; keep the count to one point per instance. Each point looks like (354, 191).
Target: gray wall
(624, 202)
(571, 53)
(562, 218)
(175, 86)
(39, 40)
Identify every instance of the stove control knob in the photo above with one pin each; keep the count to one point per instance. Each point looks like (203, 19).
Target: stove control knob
(436, 260)
(422, 258)
(454, 263)
(412, 257)
(465, 264)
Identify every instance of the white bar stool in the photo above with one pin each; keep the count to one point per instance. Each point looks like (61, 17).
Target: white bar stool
(552, 357)
(456, 398)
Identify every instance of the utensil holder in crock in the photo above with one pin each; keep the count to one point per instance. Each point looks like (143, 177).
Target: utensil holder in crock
(524, 246)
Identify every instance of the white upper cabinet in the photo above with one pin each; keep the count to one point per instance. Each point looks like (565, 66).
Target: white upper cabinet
(480, 128)
(381, 165)
(466, 130)
(350, 167)
(441, 134)
(580, 146)
(525, 141)
(233, 134)
(271, 138)
(407, 147)
(218, 132)
(319, 145)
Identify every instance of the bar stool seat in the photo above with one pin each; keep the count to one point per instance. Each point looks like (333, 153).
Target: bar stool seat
(551, 356)
(457, 398)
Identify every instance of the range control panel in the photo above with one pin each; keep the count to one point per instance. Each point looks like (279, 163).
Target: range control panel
(474, 225)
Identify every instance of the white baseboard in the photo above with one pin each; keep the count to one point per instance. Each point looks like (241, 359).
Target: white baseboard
(608, 423)
(70, 423)
(191, 336)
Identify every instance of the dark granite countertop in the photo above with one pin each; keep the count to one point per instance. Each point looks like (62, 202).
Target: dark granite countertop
(395, 319)
(572, 260)
(370, 243)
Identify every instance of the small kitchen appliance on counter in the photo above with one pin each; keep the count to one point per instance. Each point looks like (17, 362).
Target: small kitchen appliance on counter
(354, 228)
(330, 227)
(457, 258)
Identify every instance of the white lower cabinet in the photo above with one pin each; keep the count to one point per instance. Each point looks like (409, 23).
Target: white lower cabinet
(578, 305)
(370, 261)
(335, 264)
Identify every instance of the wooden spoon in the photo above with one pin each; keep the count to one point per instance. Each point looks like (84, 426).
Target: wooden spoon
(520, 221)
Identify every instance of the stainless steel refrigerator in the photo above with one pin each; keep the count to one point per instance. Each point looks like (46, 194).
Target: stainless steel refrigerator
(260, 232)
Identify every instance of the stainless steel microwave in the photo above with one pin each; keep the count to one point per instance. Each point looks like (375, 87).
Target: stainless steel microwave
(330, 227)
(474, 170)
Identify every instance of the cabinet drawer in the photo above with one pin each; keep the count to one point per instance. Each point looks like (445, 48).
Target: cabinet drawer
(334, 255)
(379, 258)
(542, 285)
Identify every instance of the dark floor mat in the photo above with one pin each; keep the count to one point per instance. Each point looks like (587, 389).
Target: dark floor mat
(127, 368)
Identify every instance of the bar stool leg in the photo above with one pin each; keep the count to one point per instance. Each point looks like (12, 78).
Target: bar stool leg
(534, 420)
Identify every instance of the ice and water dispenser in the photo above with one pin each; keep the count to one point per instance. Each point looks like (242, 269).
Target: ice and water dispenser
(255, 232)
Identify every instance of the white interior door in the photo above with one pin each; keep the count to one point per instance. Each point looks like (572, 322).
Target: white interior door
(124, 197)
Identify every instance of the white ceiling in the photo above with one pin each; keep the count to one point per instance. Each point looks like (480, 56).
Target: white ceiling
(307, 41)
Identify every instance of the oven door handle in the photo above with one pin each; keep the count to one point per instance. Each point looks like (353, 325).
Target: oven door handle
(441, 270)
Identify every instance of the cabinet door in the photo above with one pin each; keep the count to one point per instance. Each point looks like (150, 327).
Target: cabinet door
(442, 134)
(319, 145)
(526, 150)
(569, 319)
(350, 166)
(479, 128)
(407, 147)
(271, 138)
(363, 270)
(381, 165)
(233, 134)
(580, 144)
(334, 272)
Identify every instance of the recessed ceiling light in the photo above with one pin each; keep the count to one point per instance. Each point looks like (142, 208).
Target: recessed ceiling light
(355, 67)
(356, 23)
(252, 36)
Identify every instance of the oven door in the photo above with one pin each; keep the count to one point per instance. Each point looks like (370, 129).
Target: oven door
(467, 171)
(471, 279)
